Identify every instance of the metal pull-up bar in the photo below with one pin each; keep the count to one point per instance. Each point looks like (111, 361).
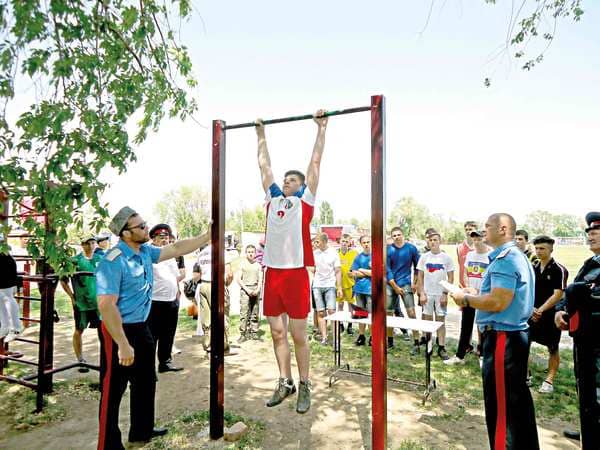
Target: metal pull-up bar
(379, 352)
(296, 118)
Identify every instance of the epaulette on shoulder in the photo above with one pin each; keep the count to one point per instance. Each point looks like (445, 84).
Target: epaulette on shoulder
(503, 253)
(113, 253)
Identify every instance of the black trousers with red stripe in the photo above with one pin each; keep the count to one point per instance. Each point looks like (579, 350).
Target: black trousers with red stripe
(141, 377)
(509, 411)
(586, 356)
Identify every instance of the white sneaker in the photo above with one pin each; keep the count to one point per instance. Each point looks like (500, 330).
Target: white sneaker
(481, 362)
(546, 388)
(454, 360)
(11, 336)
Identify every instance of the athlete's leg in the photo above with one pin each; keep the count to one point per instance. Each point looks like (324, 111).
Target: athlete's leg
(298, 330)
(279, 329)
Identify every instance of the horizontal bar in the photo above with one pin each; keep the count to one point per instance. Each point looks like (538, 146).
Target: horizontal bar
(29, 341)
(296, 118)
(22, 361)
(27, 319)
(24, 297)
(71, 366)
(18, 381)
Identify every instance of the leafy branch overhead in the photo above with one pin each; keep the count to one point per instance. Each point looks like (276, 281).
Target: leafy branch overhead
(74, 76)
(536, 21)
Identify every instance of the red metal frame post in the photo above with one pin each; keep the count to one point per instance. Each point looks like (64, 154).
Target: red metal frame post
(378, 242)
(217, 314)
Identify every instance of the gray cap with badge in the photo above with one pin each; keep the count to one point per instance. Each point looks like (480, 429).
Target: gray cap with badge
(119, 221)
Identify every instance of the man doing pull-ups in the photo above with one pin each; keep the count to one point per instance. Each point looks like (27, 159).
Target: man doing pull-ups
(288, 251)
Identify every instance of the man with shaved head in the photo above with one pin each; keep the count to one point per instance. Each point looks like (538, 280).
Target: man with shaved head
(504, 305)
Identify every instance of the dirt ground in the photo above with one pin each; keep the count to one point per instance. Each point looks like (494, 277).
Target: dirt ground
(339, 417)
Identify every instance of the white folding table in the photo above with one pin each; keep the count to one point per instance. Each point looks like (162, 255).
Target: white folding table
(426, 326)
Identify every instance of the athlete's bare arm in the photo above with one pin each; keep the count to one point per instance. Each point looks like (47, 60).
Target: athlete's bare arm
(264, 160)
(314, 167)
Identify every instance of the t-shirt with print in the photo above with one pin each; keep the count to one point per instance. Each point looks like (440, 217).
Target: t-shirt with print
(475, 265)
(287, 242)
(325, 264)
(435, 268)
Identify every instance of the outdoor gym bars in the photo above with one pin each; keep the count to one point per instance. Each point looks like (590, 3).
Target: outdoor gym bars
(379, 348)
(296, 118)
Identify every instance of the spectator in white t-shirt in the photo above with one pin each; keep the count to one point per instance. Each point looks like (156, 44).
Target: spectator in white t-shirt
(327, 282)
(476, 262)
(435, 266)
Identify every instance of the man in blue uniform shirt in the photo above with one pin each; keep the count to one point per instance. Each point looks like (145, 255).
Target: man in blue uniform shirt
(503, 306)
(124, 287)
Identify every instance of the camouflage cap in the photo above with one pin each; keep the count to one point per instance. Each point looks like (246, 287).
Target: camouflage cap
(119, 221)
(87, 238)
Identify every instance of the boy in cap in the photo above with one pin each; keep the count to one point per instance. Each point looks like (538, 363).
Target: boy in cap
(83, 295)
(124, 280)
(103, 240)
(476, 262)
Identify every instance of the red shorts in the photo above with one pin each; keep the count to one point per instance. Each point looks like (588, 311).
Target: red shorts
(287, 291)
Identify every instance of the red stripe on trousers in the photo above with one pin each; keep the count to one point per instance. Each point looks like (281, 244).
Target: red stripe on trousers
(500, 438)
(108, 353)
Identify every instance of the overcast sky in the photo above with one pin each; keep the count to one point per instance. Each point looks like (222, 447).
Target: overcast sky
(530, 141)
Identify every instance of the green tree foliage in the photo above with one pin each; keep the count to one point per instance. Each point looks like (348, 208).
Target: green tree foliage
(187, 209)
(325, 214)
(413, 217)
(560, 225)
(247, 219)
(94, 65)
(533, 23)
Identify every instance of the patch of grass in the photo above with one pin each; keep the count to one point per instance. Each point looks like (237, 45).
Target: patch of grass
(183, 432)
(19, 402)
(459, 387)
(411, 445)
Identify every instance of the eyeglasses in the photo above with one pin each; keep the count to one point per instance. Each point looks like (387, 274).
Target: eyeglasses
(141, 226)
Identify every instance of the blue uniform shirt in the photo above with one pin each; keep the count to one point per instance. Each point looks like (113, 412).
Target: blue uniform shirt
(362, 285)
(509, 269)
(399, 263)
(128, 275)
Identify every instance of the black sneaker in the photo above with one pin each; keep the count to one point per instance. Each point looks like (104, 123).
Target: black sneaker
(370, 339)
(360, 340)
(349, 330)
(342, 327)
(390, 342)
(282, 390)
(442, 353)
(406, 337)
